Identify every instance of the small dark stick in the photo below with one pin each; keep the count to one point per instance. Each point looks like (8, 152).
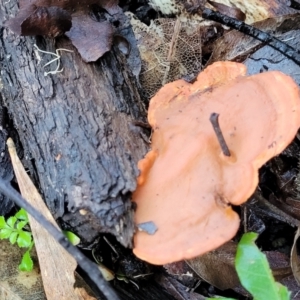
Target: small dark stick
(214, 119)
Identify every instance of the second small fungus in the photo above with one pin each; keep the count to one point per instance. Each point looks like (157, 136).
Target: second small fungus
(187, 185)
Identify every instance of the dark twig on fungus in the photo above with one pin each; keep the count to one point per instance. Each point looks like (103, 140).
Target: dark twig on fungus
(214, 119)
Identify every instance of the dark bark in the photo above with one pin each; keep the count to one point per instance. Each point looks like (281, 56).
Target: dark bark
(77, 128)
(6, 170)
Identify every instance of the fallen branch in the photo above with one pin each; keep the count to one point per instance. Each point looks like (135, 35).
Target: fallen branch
(262, 36)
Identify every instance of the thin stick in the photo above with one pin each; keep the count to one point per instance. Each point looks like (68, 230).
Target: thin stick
(89, 267)
(214, 119)
(273, 42)
(267, 208)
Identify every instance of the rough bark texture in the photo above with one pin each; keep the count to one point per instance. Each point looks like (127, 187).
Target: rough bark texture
(6, 170)
(77, 128)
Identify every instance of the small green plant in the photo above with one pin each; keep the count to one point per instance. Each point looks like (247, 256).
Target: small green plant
(13, 230)
(254, 271)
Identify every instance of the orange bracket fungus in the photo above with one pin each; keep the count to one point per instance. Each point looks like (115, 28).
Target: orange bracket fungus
(187, 184)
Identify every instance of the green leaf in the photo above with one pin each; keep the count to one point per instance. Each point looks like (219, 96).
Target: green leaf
(24, 239)
(11, 221)
(254, 272)
(2, 222)
(72, 237)
(284, 293)
(26, 262)
(5, 233)
(12, 229)
(31, 244)
(13, 237)
(21, 224)
(22, 215)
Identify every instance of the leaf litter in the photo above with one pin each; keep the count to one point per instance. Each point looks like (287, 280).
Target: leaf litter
(165, 57)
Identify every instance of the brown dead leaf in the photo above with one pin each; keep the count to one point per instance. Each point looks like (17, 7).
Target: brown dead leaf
(295, 203)
(91, 47)
(15, 284)
(230, 11)
(51, 21)
(258, 10)
(279, 264)
(57, 266)
(255, 10)
(170, 49)
(295, 261)
(217, 267)
(69, 5)
(54, 17)
(83, 294)
(281, 269)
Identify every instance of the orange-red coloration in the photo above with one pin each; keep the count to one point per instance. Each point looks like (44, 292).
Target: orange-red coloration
(146, 164)
(186, 184)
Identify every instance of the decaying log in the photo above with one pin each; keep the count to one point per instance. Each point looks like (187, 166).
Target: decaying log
(77, 128)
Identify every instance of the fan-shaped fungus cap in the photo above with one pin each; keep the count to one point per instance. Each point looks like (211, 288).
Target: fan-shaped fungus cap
(186, 183)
